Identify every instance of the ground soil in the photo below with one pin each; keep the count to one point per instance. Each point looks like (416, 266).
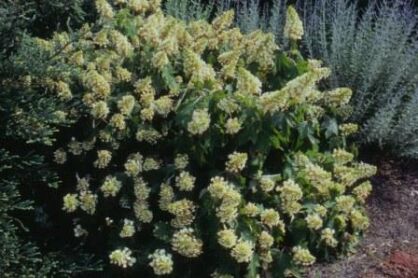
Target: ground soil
(390, 246)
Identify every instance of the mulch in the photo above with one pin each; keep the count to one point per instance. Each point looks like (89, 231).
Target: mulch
(390, 246)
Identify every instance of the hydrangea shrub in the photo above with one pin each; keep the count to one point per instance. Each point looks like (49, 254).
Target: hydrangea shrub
(196, 150)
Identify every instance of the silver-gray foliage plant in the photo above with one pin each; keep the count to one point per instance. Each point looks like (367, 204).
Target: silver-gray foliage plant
(375, 52)
(188, 9)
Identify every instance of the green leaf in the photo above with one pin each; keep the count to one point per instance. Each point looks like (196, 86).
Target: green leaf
(163, 231)
(282, 262)
(125, 23)
(298, 231)
(330, 126)
(167, 75)
(252, 268)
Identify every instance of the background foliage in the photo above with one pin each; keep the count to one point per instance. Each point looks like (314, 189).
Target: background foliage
(28, 123)
(375, 52)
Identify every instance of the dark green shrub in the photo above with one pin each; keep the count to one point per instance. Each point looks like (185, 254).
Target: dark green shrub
(28, 122)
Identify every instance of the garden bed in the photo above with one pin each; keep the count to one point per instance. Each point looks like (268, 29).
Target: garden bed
(390, 247)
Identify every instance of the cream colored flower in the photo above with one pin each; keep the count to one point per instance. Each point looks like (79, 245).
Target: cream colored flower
(141, 189)
(128, 229)
(236, 162)
(166, 196)
(266, 184)
(348, 129)
(270, 218)
(83, 184)
(120, 43)
(183, 210)
(185, 181)
(118, 121)
(122, 257)
(341, 156)
(161, 262)
(147, 114)
(327, 235)
(293, 28)
(232, 126)
(290, 191)
(228, 105)
(148, 135)
(321, 210)
(250, 209)
(95, 82)
(337, 97)
(243, 251)
(142, 211)
(103, 159)
(181, 161)
(63, 90)
(126, 105)
(104, 9)
(227, 211)
(133, 166)
(247, 83)
(200, 122)
(265, 240)
(100, 110)
(160, 60)
(139, 6)
(302, 256)
(186, 244)
(122, 74)
(77, 58)
(314, 221)
(217, 188)
(362, 191)
(227, 238)
(359, 221)
(110, 186)
(70, 202)
(344, 203)
(88, 201)
(163, 105)
(151, 164)
(223, 21)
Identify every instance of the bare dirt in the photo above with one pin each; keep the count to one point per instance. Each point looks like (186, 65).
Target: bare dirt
(390, 247)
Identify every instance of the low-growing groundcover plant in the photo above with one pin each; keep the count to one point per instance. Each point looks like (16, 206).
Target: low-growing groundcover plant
(195, 150)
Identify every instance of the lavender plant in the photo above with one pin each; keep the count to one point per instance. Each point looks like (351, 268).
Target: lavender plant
(188, 9)
(374, 52)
